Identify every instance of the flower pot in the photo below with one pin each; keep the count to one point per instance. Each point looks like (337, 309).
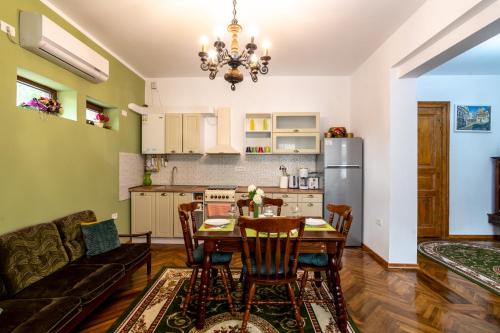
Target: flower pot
(99, 124)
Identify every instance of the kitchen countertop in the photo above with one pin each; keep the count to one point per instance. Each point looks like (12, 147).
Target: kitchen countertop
(201, 188)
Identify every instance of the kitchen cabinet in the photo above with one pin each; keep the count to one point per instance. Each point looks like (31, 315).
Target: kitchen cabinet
(192, 133)
(153, 134)
(143, 212)
(173, 135)
(164, 223)
(157, 212)
(311, 209)
(296, 143)
(310, 205)
(179, 198)
(296, 122)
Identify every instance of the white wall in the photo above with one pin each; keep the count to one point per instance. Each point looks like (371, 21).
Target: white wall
(471, 169)
(328, 95)
(384, 113)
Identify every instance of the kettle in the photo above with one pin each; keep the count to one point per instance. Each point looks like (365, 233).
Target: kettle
(293, 181)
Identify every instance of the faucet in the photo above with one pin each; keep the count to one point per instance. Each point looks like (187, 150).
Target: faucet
(174, 169)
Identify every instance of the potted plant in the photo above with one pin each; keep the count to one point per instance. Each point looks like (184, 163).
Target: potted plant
(101, 118)
(257, 196)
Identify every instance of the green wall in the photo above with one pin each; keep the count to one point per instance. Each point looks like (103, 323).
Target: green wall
(53, 167)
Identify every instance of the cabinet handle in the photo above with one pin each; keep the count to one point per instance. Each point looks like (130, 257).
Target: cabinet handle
(191, 151)
(141, 194)
(285, 204)
(295, 130)
(296, 151)
(244, 195)
(310, 205)
(285, 195)
(172, 151)
(182, 194)
(163, 194)
(310, 196)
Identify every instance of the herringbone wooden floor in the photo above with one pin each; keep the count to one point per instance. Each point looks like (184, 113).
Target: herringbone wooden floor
(431, 299)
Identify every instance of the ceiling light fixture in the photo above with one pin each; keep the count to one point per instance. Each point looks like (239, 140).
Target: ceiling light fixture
(214, 59)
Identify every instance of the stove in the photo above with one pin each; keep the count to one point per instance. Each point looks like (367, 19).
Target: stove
(220, 193)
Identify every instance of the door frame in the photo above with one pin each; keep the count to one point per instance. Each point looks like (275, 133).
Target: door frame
(445, 165)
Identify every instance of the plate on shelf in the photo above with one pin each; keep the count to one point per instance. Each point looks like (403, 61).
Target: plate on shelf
(217, 222)
(315, 222)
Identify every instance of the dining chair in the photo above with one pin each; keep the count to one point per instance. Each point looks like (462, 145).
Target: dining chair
(270, 258)
(340, 217)
(194, 251)
(278, 203)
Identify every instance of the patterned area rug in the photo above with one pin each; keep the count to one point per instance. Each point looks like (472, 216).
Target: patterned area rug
(158, 310)
(475, 261)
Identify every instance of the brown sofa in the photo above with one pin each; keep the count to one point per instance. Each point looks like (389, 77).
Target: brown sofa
(47, 284)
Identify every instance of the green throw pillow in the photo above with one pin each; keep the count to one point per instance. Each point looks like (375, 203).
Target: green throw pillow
(100, 237)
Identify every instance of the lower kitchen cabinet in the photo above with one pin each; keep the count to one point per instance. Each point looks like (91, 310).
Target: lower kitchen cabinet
(310, 205)
(157, 212)
(179, 198)
(311, 209)
(164, 226)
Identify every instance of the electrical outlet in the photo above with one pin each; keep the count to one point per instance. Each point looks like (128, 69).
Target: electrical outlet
(7, 28)
(124, 113)
(378, 222)
(154, 85)
(114, 216)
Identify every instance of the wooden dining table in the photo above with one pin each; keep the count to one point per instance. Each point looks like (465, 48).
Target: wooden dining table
(312, 242)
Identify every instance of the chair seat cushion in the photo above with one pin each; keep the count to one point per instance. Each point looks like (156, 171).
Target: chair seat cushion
(127, 255)
(84, 281)
(37, 315)
(314, 259)
(217, 257)
(263, 268)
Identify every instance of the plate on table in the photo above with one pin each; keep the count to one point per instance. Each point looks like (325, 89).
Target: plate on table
(217, 222)
(315, 222)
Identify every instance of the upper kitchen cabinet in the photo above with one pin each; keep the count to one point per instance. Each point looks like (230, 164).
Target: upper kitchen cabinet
(296, 143)
(192, 133)
(295, 122)
(153, 134)
(184, 133)
(173, 136)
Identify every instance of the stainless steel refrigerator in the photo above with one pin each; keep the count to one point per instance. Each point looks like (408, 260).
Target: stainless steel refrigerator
(342, 161)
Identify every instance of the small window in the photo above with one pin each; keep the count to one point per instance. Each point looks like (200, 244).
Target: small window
(91, 112)
(27, 90)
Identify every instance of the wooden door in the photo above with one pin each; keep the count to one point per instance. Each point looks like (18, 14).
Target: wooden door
(179, 198)
(143, 212)
(173, 133)
(191, 133)
(433, 146)
(164, 214)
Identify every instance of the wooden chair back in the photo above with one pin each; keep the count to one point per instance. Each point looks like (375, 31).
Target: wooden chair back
(278, 203)
(186, 213)
(274, 249)
(338, 218)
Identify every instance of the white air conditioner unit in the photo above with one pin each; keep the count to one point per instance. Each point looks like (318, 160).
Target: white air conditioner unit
(45, 38)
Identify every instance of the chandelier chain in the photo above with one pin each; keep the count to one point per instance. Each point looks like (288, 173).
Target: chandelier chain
(235, 21)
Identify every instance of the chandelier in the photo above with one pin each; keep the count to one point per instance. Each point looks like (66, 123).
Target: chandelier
(217, 58)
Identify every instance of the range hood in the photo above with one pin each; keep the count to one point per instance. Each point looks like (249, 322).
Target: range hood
(223, 144)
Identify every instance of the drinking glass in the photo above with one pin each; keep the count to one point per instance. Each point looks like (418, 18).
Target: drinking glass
(296, 211)
(268, 211)
(232, 212)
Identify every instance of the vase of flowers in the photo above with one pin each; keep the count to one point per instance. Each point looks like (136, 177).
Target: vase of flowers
(44, 104)
(101, 118)
(257, 196)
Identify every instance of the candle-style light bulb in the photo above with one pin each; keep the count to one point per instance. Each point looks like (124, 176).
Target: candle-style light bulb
(204, 43)
(266, 45)
(254, 59)
(212, 56)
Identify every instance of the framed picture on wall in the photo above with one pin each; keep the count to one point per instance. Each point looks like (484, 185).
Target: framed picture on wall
(473, 118)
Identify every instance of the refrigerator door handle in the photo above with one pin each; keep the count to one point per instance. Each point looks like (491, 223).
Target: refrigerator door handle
(344, 166)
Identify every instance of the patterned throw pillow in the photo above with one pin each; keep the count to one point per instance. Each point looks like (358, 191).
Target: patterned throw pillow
(100, 237)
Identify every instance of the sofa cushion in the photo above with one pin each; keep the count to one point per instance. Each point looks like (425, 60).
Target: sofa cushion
(100, 237)
(37, 315)
(84, 281)
(126, 254)
(30, 254)
(71, 233)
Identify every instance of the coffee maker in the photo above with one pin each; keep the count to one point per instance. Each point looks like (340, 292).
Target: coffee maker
(303, 175)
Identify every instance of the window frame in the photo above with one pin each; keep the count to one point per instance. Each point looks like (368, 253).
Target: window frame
(52, 92)
(94, 107)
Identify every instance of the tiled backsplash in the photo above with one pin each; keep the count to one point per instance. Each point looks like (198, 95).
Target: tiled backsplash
(231, 169)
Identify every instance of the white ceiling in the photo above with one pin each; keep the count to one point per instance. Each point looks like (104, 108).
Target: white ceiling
(160, 38)
(483, 59)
